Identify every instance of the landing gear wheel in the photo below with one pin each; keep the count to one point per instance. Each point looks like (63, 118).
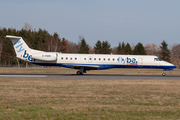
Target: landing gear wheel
(163, 74)
(78, 73)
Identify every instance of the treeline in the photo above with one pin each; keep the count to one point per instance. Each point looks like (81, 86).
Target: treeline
(42, 40)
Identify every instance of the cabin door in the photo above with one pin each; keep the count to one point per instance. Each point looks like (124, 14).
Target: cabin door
(90, 59)
(56, 56)
(140, 62)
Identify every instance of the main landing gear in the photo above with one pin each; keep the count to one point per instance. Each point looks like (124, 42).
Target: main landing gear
(81, 71)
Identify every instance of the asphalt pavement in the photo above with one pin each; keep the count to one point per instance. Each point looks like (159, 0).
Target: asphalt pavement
(92, 76)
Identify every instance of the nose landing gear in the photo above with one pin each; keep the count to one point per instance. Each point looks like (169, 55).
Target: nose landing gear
(163, 74)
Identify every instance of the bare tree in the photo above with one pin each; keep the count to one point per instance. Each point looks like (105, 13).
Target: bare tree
(27, 26)
(175, 54)
(152, 49)
(52, 44)
(0, 47)
(18, 62)
(72, 47)
(91, 50)
(114, 50)
(64, 48)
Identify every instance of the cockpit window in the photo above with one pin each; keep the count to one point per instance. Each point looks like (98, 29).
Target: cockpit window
(157, 59)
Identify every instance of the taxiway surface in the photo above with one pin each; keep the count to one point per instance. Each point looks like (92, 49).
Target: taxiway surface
(92, 76)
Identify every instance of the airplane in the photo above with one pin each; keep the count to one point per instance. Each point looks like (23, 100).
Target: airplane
(86, 62)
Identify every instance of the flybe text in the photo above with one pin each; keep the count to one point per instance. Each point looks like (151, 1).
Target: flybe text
(19, 48)
(26, 55)
(128, 61)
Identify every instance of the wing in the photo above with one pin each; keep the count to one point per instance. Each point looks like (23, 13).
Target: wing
(86, 67)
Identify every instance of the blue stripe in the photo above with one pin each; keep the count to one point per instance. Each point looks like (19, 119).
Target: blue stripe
(106, 66)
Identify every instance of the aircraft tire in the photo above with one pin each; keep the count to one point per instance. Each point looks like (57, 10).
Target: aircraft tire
(78, 73)
(163, 74)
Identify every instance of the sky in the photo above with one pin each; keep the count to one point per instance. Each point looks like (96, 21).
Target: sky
(131, 21)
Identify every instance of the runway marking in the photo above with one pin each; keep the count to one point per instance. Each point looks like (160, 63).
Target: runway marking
(24, 76)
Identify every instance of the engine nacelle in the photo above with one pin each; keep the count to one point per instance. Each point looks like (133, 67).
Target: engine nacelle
(45, 56)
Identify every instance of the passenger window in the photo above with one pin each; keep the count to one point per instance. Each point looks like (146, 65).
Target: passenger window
(66, 58)
(94, 58)
(61, 58)
(99, 58)
(84, 58)
(70, 58)
(75, 58)
(104, 58)
(108, 59)
(89, 58)
(113, 59)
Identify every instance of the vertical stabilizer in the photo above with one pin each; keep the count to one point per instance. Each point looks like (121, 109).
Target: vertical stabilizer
(21, 48)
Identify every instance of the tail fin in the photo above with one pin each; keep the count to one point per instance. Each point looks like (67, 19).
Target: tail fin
(20, 47)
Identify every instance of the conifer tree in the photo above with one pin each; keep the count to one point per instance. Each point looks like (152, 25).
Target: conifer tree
(106, 47)
(123, 47)
(55, 35)
(97, 47)
(128, 49)
(64, 46)
(139, 49)
(119, 48)
(84, 49)
(165, 52)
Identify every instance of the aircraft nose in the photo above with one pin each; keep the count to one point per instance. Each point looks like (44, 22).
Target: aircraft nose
(174, 66)
(169, 65)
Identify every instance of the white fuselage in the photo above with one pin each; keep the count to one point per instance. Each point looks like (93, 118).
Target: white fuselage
(105, 61)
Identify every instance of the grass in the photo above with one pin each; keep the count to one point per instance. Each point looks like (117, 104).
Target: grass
(121, 71)
(31, 98)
